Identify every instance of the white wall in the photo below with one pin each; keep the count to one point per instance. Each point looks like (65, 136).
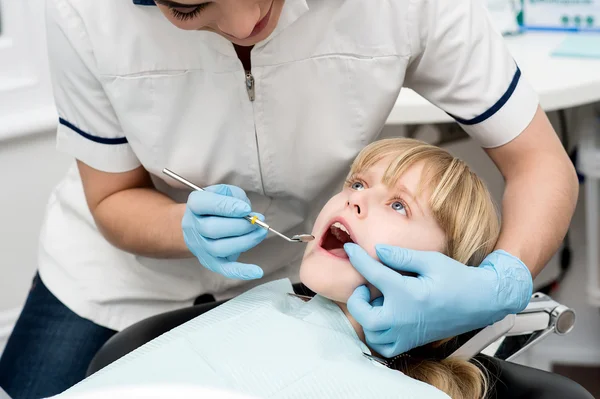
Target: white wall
(29, 164)
(29, 167)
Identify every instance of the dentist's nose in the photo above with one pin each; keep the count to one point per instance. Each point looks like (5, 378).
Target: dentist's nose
(239, 22)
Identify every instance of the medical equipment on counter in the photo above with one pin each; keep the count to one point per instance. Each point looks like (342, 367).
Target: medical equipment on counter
(580, 45)
(573, 15)
(252, 219)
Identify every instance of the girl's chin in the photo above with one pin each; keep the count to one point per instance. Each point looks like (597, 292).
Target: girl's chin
(336, 291)
(344, 293)
(330, 277)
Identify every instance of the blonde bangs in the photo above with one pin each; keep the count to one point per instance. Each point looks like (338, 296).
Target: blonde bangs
(405, 153)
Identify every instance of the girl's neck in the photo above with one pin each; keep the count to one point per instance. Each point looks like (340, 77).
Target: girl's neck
(344, 308)
(357, 327)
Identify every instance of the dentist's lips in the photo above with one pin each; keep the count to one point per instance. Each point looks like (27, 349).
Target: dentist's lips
(334, 238)
(262, 23)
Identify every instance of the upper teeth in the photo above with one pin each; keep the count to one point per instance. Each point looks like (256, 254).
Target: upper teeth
(341, 227)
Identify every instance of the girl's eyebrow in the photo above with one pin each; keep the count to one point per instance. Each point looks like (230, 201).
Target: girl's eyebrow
(173, 4)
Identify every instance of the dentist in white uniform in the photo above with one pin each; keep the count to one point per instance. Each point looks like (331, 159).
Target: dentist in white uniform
(267, 102)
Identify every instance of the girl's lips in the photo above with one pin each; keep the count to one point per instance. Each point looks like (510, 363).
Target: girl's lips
(339, 253)
(331, 223)
(262, 23)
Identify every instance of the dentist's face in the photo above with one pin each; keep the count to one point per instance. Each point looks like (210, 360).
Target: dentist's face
(368, 213)
(243, 22)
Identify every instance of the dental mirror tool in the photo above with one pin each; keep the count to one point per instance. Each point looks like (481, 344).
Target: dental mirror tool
(252, 219)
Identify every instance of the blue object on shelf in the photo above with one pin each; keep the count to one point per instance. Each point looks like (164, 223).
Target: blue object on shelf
(579, 45)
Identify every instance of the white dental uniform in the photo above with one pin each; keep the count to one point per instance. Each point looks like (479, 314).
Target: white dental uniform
(131, 89)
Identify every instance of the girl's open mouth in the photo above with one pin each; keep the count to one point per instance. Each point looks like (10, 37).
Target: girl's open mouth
(334, 238)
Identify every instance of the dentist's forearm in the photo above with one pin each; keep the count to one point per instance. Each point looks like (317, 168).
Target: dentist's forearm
(540, 195)
(144, 222)
(132, 215)
(537, 210)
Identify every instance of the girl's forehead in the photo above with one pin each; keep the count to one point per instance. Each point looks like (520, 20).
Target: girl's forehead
(413, 179)
(384, 170)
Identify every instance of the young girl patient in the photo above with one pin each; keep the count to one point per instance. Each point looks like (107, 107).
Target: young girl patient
(270, 343)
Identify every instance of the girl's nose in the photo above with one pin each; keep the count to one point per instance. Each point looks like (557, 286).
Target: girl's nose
(357, 202)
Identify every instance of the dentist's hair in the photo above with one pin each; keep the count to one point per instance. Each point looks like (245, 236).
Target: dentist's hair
(465, 210)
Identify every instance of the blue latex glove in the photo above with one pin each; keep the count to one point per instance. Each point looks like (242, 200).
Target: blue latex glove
(446, 299)
(216, 233)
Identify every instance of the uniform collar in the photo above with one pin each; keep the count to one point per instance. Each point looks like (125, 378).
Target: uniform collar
(292, 11)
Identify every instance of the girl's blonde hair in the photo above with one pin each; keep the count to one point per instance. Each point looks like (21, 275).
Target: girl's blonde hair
(464, 209)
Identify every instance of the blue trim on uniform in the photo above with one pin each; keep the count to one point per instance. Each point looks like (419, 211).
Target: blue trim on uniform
(144, 2)
(101, 140)
(496, 107)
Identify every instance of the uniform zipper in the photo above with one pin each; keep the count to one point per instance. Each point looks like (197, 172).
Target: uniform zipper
(251, 97)
(250, 85)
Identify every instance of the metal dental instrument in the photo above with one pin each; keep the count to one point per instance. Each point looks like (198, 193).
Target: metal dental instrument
(252, 219)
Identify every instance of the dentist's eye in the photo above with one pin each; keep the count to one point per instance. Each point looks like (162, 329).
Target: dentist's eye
(188, 13)
(399, 207)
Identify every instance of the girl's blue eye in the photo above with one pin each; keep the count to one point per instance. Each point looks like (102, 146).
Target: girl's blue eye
(399, 207)
(357, 186)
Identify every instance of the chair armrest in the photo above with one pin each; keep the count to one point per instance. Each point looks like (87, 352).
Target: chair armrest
(543, 316)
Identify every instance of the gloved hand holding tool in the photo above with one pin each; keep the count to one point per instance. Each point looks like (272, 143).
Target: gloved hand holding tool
(216, 232)
(219, 225)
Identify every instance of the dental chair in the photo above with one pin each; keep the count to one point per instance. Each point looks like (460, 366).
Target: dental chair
(494, 346)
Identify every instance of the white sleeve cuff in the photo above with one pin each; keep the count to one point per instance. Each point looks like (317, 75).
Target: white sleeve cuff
(112, 155)
(506, 119)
